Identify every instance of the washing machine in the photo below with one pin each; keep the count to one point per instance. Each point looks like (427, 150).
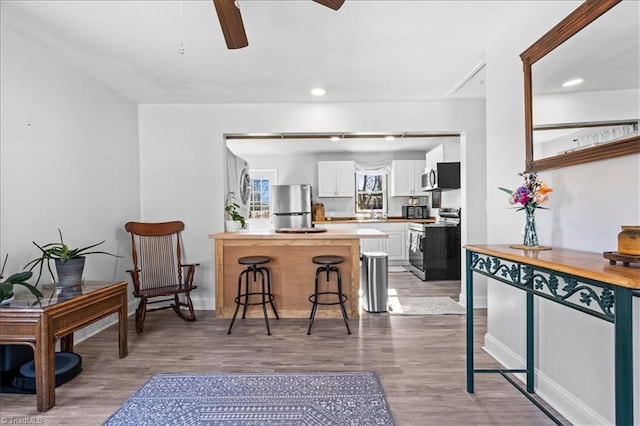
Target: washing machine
(239, 181)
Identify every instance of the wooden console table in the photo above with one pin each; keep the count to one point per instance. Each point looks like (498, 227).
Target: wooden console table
(582, 281)
(39, 323)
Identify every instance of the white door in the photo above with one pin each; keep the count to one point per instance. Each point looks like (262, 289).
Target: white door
(260, 197)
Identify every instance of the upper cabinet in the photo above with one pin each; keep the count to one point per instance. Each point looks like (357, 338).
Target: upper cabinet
(406, 178)
(435, 156)
(336, 179)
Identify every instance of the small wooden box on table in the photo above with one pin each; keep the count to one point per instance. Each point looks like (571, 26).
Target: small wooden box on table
(39, 324)
(292, 271)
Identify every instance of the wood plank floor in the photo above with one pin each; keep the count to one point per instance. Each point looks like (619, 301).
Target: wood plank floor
(420, 361)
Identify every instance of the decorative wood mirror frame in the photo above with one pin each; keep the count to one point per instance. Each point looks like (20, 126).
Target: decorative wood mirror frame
(586, 13)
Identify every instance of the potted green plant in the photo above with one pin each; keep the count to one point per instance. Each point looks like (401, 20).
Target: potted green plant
(234, 220)
(19, 278)
(69, 262)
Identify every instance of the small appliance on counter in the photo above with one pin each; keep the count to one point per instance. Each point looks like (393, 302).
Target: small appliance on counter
(435, 248)
(291, 206)
(415, 212)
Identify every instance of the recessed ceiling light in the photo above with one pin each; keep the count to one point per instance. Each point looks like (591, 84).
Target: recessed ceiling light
(573, 82)
(335, 138)
(318, 92)
(389, 138)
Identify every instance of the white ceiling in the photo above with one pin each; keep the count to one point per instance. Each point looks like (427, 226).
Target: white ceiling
(376, 50)
(368, 51)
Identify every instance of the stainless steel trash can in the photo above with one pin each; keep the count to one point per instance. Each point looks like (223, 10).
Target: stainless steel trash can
(374, 281)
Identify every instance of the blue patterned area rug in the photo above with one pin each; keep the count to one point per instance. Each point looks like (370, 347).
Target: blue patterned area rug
(319, 399)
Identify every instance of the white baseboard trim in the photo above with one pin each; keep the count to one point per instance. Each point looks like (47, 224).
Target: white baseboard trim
(478, 302)
(567, 404)
(201, 304)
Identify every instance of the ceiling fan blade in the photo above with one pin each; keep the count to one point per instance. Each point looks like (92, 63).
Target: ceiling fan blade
(333, 4)
(231, 23)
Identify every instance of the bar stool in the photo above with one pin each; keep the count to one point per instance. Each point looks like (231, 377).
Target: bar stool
(328, 263)
(267, 296)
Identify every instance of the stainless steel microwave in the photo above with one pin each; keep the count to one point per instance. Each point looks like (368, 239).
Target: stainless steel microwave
(443, 176)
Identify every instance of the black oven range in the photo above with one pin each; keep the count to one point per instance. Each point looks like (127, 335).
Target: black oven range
(435, 248)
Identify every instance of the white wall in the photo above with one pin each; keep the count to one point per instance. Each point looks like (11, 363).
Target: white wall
(590, 202)
(69, 160)
(182, 154)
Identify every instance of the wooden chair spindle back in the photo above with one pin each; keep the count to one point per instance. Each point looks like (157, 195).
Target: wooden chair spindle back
(156, 253)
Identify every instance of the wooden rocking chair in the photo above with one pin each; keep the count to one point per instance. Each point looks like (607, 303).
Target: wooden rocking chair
(158, 270)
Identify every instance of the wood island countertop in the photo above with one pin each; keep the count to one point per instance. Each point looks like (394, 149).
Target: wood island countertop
(270, 234)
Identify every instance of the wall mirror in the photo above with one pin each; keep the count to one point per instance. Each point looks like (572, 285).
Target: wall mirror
(597, 117)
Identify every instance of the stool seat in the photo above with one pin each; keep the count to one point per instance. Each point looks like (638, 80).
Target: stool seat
(254, 260)
(327, 260)
(264, 295)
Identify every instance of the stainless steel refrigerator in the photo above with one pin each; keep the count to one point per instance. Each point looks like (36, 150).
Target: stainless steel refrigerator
(291, 206)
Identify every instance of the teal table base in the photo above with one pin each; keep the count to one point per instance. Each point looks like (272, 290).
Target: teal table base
(607, 302)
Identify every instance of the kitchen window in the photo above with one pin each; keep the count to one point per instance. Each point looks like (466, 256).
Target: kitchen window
(259, 205)
(371, 193)
(260, 197)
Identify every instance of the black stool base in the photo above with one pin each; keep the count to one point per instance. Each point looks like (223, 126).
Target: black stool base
(265, 294)
(328, 262)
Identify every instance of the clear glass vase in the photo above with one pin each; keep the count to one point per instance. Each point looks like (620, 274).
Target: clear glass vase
(530, 234)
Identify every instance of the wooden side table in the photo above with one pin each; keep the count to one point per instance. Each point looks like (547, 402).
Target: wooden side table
(40, 323)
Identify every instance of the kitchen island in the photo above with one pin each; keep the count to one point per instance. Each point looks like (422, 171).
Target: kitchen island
(292, 271)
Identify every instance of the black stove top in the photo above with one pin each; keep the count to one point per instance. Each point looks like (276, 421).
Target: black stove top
(448, 216)
(449, 212)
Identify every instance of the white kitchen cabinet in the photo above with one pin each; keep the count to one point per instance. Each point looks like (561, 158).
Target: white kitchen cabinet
(395, 246)
(338, 225)
(373, 244)
(336, 179)
(406, 178)
(435, 156)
